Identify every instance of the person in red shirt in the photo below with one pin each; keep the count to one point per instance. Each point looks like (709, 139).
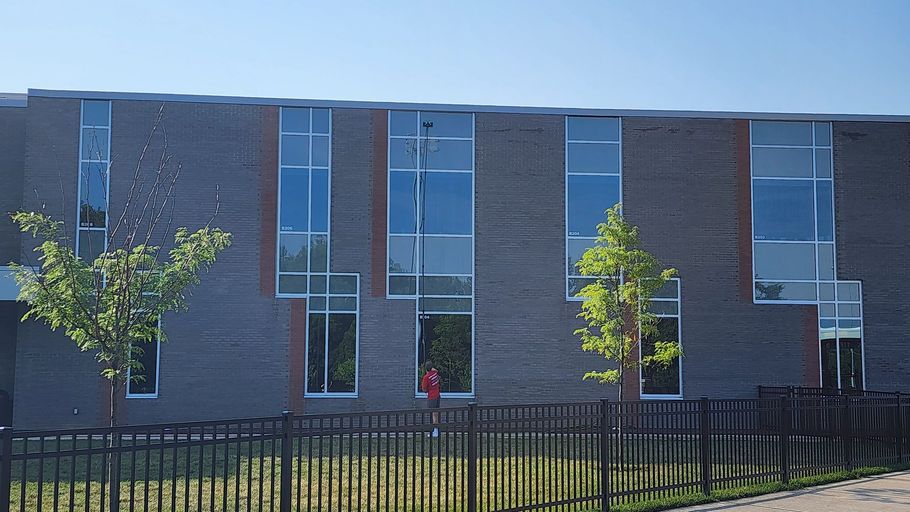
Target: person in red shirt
(430, 385)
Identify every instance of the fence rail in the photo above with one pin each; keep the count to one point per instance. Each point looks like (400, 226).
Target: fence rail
(570, 456)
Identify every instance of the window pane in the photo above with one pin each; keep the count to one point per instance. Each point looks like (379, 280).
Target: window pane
(848, 292)
(402, 202)
(96, 113)
(147, 383)
(825, 291)
(447, 285)
(664, 307)
(402, 254)
(848, 310)
(823, 163)
(321, 120)
(93, 195)
(593, 128)
(447, 154)
(448, 203)
(447, 343)
(825, 207)
(320, 203)
(295, 150)
(785, 291)
(94, 143)
(589, 197)
(784, 261)
(402, 285)
(295, 190)
(320, 151)
(403, 154)
(656, 379)
(291, 284)
(826, 261)
(316, 354)
(446, 124)
(445, 305)
(447, 255)
(295, 119)
(822, 134)
(782, 133)
(602, 158)
(828, 339)
(827, 310)
(342, 285)
(577, 248)
(783, 162)
(670, 290)
(577, 283)
(317, 284)
(851, 359)
(402, 123)
(783, 210)
(91, 244)
(319, 253)
(292, 253)
(342, 352)
(343, 303)
(316, 303)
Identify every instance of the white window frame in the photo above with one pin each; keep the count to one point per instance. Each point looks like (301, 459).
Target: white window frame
(83, 159)
(309, 232)
(566, 174)
(679, 326)
(329, 311)
(129, 372)
(814, 179)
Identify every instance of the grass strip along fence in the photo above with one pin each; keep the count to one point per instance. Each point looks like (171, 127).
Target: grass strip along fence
(574, 456)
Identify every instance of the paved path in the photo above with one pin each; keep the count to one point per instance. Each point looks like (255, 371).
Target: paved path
(883, 493)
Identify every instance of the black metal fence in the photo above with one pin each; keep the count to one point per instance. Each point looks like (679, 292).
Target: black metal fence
(576, 456)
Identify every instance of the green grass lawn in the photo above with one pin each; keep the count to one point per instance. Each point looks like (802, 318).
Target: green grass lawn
(384, 473)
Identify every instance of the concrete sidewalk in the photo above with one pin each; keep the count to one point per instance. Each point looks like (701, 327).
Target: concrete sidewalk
(883, 493)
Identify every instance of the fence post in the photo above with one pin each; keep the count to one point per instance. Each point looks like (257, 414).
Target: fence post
(6, 462)
(899, 427)
(847, 431)
(114, 471)
(472, 457)
(785, 426)
(704, 426)
(605, 454)
(287, 455)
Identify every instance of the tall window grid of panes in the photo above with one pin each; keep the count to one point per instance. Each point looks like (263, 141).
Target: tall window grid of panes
(93, 186)
(793, 248)
(333, 336)
(431, 238)
(662, 382)
(593, 184)
(303, 199)
(149, 356)
(840, 329)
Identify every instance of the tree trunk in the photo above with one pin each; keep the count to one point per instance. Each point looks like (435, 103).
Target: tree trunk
(114, 389)
(113, 458)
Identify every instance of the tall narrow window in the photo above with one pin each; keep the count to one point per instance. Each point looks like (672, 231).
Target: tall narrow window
(593, 184)
(333, 336)
(431, 237)
(840, 328)
(303, 198)
(93, 183)
(664, 381)
(143, 382)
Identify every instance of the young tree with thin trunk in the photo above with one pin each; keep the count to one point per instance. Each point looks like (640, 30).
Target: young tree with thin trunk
(111, 305)
(616, 304)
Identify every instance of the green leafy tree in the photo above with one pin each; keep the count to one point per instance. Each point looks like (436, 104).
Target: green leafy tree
(616, 303)
(110, 305)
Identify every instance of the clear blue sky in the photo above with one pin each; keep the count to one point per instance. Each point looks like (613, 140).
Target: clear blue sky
(806, 56)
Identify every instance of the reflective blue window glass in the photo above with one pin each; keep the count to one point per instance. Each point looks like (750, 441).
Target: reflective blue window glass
(825, 210)
(320, 151)
(783, 210)
(447, 124)
(295, 150)
(589, 198)
(95, 113)
(402, 123)
(587, 157)
(784, 133)
(94, 144)
(402, 202)
(447, 154)
(594, 128)
(93, 195)
(403, 154)
(320, 120)
(447, 203)
(320, 203)
(295, 120)
(295, 188)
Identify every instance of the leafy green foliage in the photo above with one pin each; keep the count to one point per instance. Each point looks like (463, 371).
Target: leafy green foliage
(111, 306)
(616, 304)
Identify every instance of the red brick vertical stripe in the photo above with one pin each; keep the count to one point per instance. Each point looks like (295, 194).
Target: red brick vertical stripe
(380, 201)
(297, 355)
(811, 343)
(744, 207)
(268, 193)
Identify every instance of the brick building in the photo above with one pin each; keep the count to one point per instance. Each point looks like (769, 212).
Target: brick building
(370, 236)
